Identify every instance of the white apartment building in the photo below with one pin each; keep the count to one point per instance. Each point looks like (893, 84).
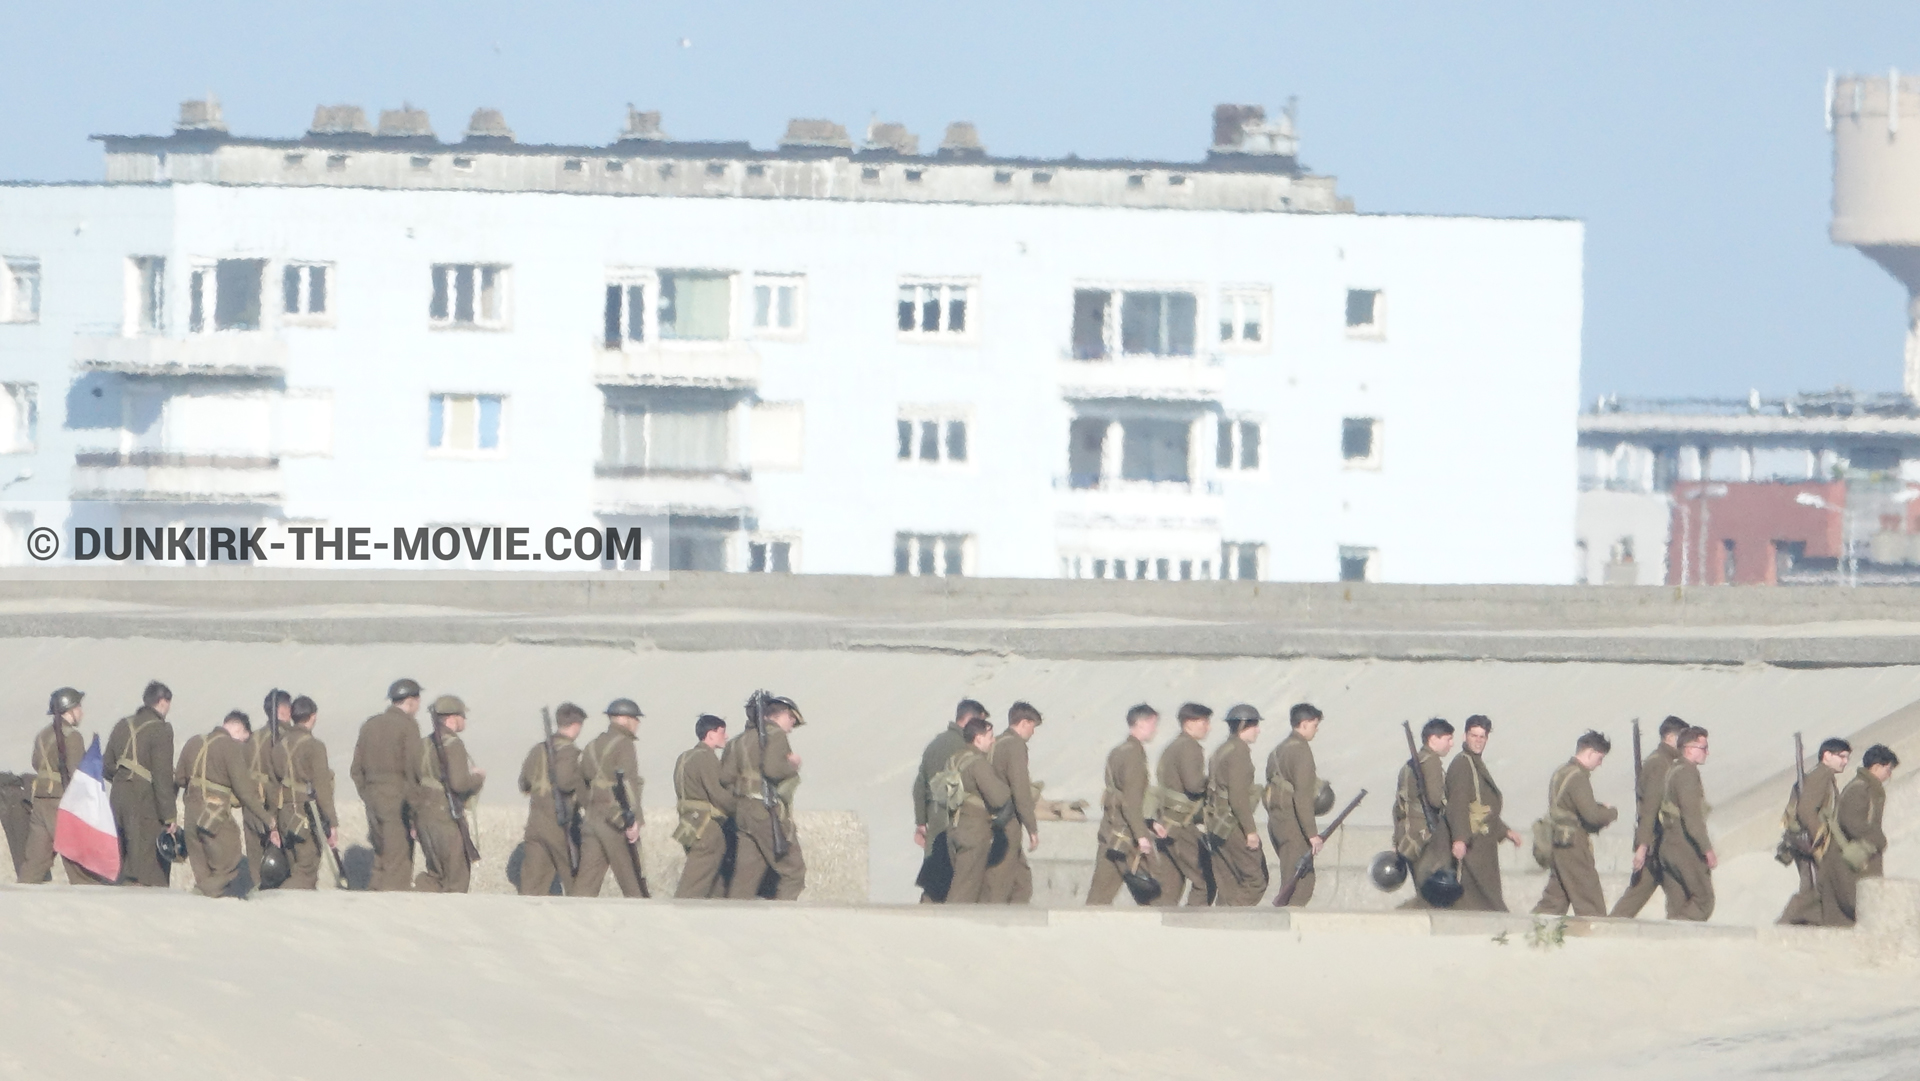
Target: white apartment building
(819, 358)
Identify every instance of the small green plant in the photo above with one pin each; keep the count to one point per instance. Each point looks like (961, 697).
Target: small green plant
(1547, 936)
(1500, 939)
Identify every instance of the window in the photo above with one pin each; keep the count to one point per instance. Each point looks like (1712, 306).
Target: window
(616, 166)
(1360, 442)
(1727, 562)
(1243, 318)
(1042, 178)
(463, 164)
(667, 433)
(465, 424)
(1086, 451)
(225, 295)
(1243, 560)
(19, 417)
(1239, 444)
(756, 170)
(1160, 568)
(420, 161)
(931, 554)
(1154, 450)
(870, 175)
(1003, 178)
(777, 305)
(771, 554)
(626, 314)
(1158, 324)
(931, 438)
(1366, 313)
(468, 295)
(573, 165)
(695, 305)
(303, 290)
(336, 162)
(716, 168)
(1357, 564)
(1136, 180)
(20, 291)
(933, 309)
(146, 294)
(295, 160)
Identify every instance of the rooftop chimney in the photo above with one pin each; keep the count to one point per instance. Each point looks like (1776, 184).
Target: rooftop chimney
(962, 141)
(894, 137)
(339, 120)
(816, 133)
(1244, 129)
(489, 124)
(406, 120)
(642, 127)
(200, 116)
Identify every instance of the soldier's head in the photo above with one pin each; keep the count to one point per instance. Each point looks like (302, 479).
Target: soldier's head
(280, 706)
(1142, 722)
(405, 696)
(304, 712)
(1022, 719)
(1437, 735)
(1670, 730)
(1834, 754)
(1243, 723)
(1591, 749)
(450, 713)
(967, 710)
(784, 712)
(1304, 719)
(65, 704)
(238, 725)
(1692, 742)
(569, 719)
(1880, 761)
(1196, 720)
(624, 713)
(1479, 727)
(711, 731)
(979, 733)
(158, 697)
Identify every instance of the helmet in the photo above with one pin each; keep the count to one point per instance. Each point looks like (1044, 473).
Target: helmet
(1244, 712)
(1388, 871)
(448, 706)
(1442, 888)
(1144, 887)
(1323, 799)
(403, 689)
(624, 707)
(783, 702)
(172, 848)
(274, 867)
(63, 700)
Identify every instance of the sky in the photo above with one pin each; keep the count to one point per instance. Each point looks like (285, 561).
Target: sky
(1688, 137)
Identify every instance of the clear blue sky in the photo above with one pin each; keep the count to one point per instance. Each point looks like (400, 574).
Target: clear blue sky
(1688, 136)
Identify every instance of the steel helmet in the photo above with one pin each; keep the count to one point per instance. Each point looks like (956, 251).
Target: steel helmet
(63, 700)
(1388, 871)
(624, 707)
(448, 706)
(1323, 799)
(402, 690)
(1442, 888)
(274, 867)
(171, 847)
(781, 701)
(1244, 712)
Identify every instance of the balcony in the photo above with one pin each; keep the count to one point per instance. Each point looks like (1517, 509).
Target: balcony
(1177, 379)
(723, 365)
(245, 355)
(638, 490)
(175, 477)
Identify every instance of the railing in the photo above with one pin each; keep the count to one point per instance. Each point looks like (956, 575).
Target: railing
(239, 354)
(175, 476)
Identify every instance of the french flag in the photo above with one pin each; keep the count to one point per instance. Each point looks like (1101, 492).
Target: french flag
(84, 831)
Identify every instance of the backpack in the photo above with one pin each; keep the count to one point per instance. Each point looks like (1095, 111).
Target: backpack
(947, 790)
(1549, 831)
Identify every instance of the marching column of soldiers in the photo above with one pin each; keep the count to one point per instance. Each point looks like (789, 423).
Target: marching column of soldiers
(1183, 830)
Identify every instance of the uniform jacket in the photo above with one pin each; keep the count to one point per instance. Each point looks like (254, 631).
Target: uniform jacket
(1123, 819)
(387, 752)
(1291, 814)
(151, 749)
(1009, 758)
(1463, 772)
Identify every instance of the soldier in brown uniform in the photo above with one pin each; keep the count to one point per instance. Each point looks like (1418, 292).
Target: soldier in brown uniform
(984, 797)
(1685, 851)
(1420, 831)
(386, 763)
(1572, 879)
(260, 754)
(1862, 838)
(1292, 786)
(930, 821)
(1473, 818)
(139, 763)
(1126, 837)
(604, 842)
(1180, 789)
(1239, 866)
(448, 870)
(56, 754)
(301, 773)
(1815, 811)
(1010, 878)
(751, 769)
(705, 806)
(1648, 872)
(544, 855)
(219, 781)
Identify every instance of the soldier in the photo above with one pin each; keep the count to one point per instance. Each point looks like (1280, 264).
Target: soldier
(1292, 787)
(1649, 873)
(984, 796)
(1821, 874)
(1863, 840)
(705, 806)
(931, 820)
(1572, 879)
(386, 763)
(56, 754)
(605, 843)
(1473, 819)
(445, 789)
(1126, 837)
(139, 762)
(1010, 879)
(544, 856)
(302, 774)
(1420, 831)
(1685, 850)
(1238, 864)
(260, 755)
(753, 769)
(219, 780)
(1181, 777)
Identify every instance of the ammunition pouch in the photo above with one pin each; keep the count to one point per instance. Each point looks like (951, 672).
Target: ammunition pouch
(695, 816)
(1176, 809)
(1543, 842)
(1477, 815)
(1857, 854)
(1279, 792)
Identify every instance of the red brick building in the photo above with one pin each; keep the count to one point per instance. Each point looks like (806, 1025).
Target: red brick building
(1749, 533)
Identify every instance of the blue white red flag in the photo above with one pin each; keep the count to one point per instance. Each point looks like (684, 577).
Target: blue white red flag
(84, 831)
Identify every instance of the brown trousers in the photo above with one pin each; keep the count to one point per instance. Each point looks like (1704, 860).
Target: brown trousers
(1239, 873)
(603, 848)
(1286, 855)
(543, 858)
(1818, 901)
(216, 859)
(1182, 866)
(387, 832)
(447, 869)
(1010, 882)
(1480, 876)
(700, 878)
(37, 865)
(753, 855)
(1640, 888)
(140, 828)
(970, 840)
(304, 857)
(1573, 882)
(1688, 882)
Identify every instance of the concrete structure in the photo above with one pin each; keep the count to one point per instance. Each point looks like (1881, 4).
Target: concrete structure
(1876, 183)
(820, 358)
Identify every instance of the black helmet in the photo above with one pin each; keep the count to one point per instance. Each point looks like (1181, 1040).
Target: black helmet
(1388, 871)
(1442, 888)
(172, 848)
(624, 707)
(1244, 712)
(1323, 799)
(781, 701)
(63, 700)
(402, 690)
(1144, 887)
(274, 867)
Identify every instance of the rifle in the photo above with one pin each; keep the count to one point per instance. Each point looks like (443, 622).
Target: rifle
(1419, 778)
(1301, 869)
(756, 716)
(455, 806)
(272, 709)
(1799, 838)
(559, 800)
(1638, 795)
(626, 823)
(324, 831)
